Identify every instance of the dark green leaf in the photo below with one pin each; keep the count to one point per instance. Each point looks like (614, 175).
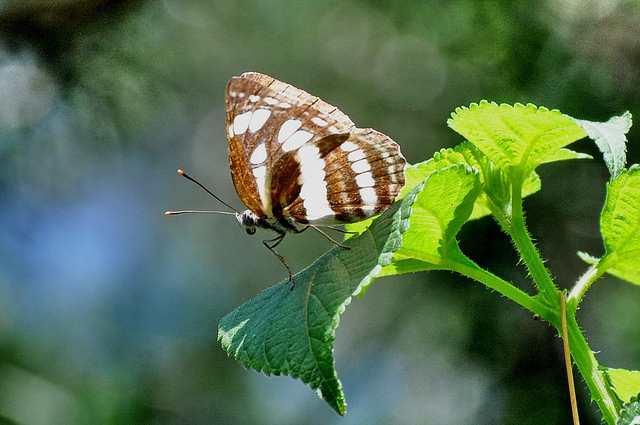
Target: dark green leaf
(286, 332)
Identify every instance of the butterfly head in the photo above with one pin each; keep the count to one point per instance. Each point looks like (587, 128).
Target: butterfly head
(248, 220)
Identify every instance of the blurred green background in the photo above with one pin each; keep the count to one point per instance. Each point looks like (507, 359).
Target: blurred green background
(109, 309)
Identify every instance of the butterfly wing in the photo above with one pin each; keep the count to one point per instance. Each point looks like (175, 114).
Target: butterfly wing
(339, 179)
(267, 121)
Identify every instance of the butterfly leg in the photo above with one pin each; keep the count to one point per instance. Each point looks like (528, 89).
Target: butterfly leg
(271, 245)
(323, 233)
(337, 229)
(317, 229)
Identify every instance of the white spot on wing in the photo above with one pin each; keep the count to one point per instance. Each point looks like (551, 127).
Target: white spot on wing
(348, 146)
(288, 128)
(259, 155)
(313, 189)
(369, 197)
(260, 173)
(285, 105)
(368, 208)
(296, 140)
(356, 155)
(241, 122)
(253, 98)
(319, 121)
(365, 180)
(230, 130)
(361, 166)
(260, 116)
(270, 101)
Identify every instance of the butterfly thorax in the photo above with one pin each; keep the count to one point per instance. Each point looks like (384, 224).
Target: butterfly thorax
(250, 222)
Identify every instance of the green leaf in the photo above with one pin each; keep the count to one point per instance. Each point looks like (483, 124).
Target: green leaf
(620, 226)
(463, 154)
(467, 154)
(516, 138)
(625, 271)
(564, 154)
(286, 332)
(625, 382)
(610, 139)
(442, 207)
(496, 186)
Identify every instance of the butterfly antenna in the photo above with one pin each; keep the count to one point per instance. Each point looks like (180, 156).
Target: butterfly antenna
(188, 177)
(198, 212)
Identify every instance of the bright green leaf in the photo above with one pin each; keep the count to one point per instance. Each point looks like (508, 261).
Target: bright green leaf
(444, 204)
(626, 270)
(625, 382)
(496, 186)
(564, 154)
(402, 265)
(291, 332)
(463, 154)
(442, 207)
(516, 138)
(467, 154)
(620, 225)
(610, 139)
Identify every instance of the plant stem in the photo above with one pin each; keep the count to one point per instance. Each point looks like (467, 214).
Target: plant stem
(586, 280)
(506, 289)
(583, 357)
(581, 286)
(530, 255)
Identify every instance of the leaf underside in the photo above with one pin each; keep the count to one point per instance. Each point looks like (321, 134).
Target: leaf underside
(291, 332)
(610, 139)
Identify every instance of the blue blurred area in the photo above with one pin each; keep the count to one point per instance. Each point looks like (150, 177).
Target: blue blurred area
(109, 309)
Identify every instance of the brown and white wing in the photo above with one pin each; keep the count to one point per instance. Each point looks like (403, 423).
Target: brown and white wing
(266, 121)
(339, 179)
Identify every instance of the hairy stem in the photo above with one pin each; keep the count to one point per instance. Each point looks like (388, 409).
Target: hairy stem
(518, 231)
(506, 289)
(597, 383)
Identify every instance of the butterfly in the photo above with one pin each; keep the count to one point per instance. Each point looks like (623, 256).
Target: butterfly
(298, 162)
